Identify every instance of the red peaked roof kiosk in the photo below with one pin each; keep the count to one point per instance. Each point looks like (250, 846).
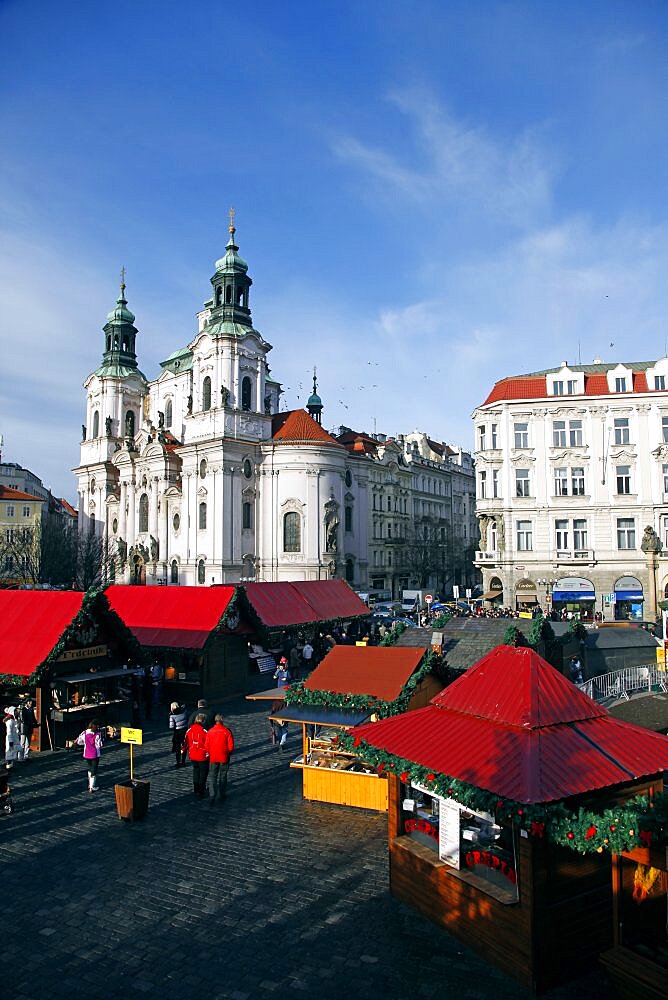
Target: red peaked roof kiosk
(507, 795)
(69, 651)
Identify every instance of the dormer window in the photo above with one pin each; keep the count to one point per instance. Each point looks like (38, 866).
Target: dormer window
(571, 387)
(660, 382)
(558, 388)
(620, 383)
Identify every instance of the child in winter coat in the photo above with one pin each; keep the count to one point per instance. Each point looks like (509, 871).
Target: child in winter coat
(91, 741)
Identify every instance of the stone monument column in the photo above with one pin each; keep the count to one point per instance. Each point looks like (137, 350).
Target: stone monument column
(651, 546)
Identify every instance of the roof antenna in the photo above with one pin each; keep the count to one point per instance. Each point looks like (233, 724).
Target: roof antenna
(579, 353)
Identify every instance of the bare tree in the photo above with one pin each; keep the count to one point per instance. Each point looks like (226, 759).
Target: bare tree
(20, 556)
(91, 561)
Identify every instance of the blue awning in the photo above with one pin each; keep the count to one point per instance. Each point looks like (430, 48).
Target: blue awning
(629, 595)
(573, 595)
(319, 716)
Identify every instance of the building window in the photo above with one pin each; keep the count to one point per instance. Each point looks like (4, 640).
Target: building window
(10, 510)
(246, 516)
(620, 384)
(575, 433)
(524, 536)
(522, 482)
(176, 521)
(621, 428)
(206, 393)
(521, 435)
(130, 424)
(483, 485)
(248, 468)
(579, 534)
(626, 533)
(571, 387)
(202, 469)
(348, 518)
(174, 577)
(350, 570)
(202, 515)
(245, 393)
(664, 429)
(26, 510)
(389, 503)
(96, 424)
(665, 478)
(623, 479)
(291, 532)
(201, 572)
(495, 443)
(561, 535)
(495, 484)
(578, 481)
(561, 482)
(559, 433)
(481, 436)
(557, 388)
(660, 382)
(168, 413)
(143, 512)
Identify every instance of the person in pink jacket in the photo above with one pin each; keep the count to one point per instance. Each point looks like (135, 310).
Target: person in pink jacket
(91, 741)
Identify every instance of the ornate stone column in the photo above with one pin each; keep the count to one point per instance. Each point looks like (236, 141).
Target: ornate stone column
(651, 546)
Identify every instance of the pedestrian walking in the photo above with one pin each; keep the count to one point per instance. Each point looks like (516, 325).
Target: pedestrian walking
(307, 655)
(28, 726)
(12, 740)
(281, 675)
(195, 741)
(219, 745)
(178, 724)
(91, 741)
(157, 674)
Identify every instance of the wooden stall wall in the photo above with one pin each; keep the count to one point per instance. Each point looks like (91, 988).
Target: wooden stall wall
(346, 788)
(427, 689)
(225, 667)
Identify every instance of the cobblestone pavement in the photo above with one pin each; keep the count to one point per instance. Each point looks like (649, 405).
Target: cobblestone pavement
(267, 895)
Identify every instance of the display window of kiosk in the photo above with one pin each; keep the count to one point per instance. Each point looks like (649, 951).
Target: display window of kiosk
(322, 752)
(471, 843)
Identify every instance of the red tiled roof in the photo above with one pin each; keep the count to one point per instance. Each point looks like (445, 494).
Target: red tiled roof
(304, 601)
(9, 493)
(180, 617)
(516, 727)
(298, 426)
(380, 671)
(535, 386)
(32, 622)
(68, 507)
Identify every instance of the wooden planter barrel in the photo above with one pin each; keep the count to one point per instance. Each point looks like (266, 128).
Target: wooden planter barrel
(132, 799)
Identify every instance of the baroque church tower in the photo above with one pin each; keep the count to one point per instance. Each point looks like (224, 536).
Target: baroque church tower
(195, 477)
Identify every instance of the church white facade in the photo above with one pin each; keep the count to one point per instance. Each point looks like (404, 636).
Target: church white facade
(195, 477)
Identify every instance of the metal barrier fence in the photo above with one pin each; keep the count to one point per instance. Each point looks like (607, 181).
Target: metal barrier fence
(619, 685)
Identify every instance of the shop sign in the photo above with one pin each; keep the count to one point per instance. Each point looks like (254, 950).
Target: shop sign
(133, 736)
(525, 585)
(87, 653)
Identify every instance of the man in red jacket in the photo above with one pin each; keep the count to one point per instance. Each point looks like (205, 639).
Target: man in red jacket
(219, 745)
(195, 741)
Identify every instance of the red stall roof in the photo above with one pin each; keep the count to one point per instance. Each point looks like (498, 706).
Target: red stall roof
(381, 671)
(515, 726)
(31, 623)
(304, 601)
(180, 617)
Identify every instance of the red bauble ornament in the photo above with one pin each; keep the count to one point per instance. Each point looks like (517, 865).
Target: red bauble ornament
(570, 835)
(404, 776)
(591, 832)
(612, 828)
(431, 777)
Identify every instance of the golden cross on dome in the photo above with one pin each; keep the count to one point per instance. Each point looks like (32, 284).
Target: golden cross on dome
(232, 229)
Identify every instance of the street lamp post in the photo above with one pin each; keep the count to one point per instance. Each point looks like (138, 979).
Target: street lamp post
(549, 587)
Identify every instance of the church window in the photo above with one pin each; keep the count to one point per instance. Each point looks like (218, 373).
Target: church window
(350, 570)
(201, 572)
(114, 525)
(96, 424)
(206, 393)
(246, 393)
(349, 478)
(240, 295)
(202, 469)
(143, 512)
(130, 423)
(219, 296)
(291, 532)
(228, 294)
(202, 515)
(168, 413)
(248, 468)
(176, 522)
(92, 485)
(109, 343)
(175, 571)
(247, 516)
(348, 514)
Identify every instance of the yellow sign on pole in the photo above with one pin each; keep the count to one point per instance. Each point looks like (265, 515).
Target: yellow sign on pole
(131, 735)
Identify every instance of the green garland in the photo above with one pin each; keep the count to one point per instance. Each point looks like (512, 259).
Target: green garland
(639, 822)
(298, 695)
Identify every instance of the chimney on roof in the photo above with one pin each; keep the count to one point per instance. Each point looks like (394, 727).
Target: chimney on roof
(597, 361)
(564, 364)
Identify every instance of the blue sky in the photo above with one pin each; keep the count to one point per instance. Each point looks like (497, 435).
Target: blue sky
(430, 196)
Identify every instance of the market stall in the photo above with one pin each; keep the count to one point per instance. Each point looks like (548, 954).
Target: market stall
(195, 633)
(507, 795)
(353, 683)
(70, 652)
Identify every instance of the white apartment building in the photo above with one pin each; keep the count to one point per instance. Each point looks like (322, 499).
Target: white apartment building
(572, 489)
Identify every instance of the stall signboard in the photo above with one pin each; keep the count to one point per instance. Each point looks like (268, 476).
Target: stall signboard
(86, 653)
(428, 598)
(455, 591)
(448, 832)
(133, 736)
